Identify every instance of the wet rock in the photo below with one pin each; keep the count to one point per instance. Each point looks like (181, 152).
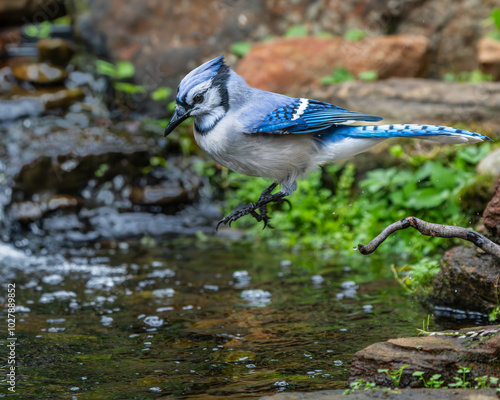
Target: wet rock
(490, 164)
(290, 65)
(405, 394)
(27, 11)
(11, 110)
(55, 50)
(61, 201)
(110, 223)
(468, 280)
(441, 353)
(491, 216)
(160, 194)
(42, 73)
(26, 211)
(417, 100)
(488, 54)
(52, 97)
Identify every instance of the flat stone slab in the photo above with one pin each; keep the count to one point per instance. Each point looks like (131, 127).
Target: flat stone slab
(438, 353)
(405, 394)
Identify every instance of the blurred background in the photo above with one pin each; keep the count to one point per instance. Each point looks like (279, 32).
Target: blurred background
(108, 227)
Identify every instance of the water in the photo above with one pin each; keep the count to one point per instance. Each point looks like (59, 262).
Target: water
(192, 318)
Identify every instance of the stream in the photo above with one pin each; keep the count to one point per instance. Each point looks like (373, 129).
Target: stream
(195, 317)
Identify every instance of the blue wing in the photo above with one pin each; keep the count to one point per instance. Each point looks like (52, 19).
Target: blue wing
(304, 116)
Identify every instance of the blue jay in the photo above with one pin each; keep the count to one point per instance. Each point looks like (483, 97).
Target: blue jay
(266, 134)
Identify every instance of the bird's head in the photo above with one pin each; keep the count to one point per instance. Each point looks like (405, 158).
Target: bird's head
(202, 92)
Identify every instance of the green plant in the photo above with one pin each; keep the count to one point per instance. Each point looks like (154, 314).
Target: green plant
(495, 19)
(353, 35)
(296, 31)
(368, 76)
(39, 31)
(360, 384)
(433, 381)
(161, 94)
(474, 76)
(394, 375)
(493, 315)
(339, 75)
(241, 48)
(482, 382)
(460, 381)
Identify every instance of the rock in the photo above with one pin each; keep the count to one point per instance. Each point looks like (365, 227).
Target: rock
(417, 100)
(42, 73)
(488, 54)
(11, 110)
(290, 65)
(55, 50)
(160, 194)
(26, 211)
(62, 98)
(27, 11)
(405, 394)
(491, 216)
(490, 165)
(165, 41)
(468, 280)
(442, 353)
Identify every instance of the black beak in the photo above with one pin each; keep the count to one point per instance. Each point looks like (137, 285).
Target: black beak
(180, 115)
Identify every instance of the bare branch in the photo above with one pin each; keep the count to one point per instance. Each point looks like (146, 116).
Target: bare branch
(429, 229)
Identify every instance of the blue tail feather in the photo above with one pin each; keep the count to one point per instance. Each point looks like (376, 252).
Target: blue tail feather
(430, 132)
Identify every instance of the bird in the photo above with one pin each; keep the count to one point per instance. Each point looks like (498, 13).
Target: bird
(264, 134)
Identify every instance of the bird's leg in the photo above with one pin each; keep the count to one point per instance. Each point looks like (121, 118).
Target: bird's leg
(265, 198)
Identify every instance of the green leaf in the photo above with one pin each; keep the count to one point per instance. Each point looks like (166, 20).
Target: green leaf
(338, 76)
(128, 88)
(296, 31)
(428, 198)
(418, 373)
(442, 177)
(353, 35)
(124, 70)
(105, 68)
(162, 93)
(495, 16)
(368, 76)
(241, 48)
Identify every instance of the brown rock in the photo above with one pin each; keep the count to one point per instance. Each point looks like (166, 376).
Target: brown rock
(290, 65)
(491, 216)
(416, 100)
(488, 54)
(442, 353)
(468, 280)
(42, 73)
(405, 394)
(55, 50)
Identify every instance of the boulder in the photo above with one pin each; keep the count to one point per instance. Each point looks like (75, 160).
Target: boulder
(41, 73)
(439, 353)
(488, 54)
(407, 100)
(491, 216)
(490, 165)
(468, 280)
(290, 65)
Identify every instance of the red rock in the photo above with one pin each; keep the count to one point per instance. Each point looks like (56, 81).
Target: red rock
(290, 65)
(491, 216)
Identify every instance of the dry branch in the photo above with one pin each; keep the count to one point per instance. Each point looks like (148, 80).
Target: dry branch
(429, 229)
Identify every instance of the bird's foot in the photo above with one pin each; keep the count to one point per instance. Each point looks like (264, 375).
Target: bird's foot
(251, 209)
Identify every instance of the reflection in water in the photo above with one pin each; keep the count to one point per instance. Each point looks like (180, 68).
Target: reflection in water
(192, 318)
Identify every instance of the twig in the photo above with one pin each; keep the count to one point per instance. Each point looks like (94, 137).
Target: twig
(429, 229)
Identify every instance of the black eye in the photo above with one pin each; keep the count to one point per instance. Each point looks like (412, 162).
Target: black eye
(198, 98)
